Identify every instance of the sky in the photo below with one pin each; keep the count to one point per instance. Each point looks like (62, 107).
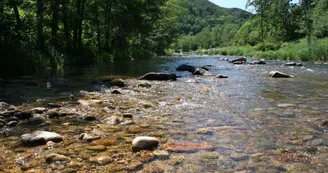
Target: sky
(233, 3)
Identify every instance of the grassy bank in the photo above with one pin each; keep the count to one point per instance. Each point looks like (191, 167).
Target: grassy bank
(300, 50)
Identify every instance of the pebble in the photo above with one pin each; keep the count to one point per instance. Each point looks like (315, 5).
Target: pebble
(144, 143)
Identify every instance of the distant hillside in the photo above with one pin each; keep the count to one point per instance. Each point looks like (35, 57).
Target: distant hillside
(203, 13)
(207, 25)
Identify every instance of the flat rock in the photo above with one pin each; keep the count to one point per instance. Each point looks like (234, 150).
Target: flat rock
(40, 138)
(258, 62)
(53, 157)
(101, 160)
(144, 143)
(277, 74)
(241, 60)
(159, 76)
(5, 106)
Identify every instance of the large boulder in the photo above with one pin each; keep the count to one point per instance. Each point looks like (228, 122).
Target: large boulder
(277, 74)
(159, 76)
(40, 138)
(185, 67)
(144, 143)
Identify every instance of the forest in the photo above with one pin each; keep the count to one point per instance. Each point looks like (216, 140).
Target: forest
(55, 33)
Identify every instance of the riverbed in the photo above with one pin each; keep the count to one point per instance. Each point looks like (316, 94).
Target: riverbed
(248, 122)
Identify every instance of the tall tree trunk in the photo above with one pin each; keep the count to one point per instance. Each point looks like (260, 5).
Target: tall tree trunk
(108, 16)
(54, 22)
(66, 26)
(98, 29)
(77, 21)
(40, 36)
(80, 29)
(18, 20)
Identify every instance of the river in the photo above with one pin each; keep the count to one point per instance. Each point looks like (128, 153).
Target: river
(248, 122)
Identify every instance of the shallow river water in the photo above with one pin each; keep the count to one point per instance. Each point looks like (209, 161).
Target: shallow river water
(248, 122)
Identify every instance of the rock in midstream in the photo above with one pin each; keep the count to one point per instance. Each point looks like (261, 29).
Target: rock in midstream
(58, 82)
(277, 74)
(203, 72)
(185, 67)
(40, 138)
(159, 76)
(293, 64)
(221, 76)
(261, 61)
(241, 60)
(144, 143)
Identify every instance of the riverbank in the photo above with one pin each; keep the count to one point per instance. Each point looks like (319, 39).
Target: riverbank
(300, 50)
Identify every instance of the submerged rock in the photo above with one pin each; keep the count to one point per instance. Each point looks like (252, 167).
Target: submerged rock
(186, 67)
(53, 157)
(144, 143)
(161, 154)
(186, 146)
(40, 138)
(57, 82)
(277, 74)
(101, 160)
(117, 82)
(159, 76)
(293, 64)
(90, 118)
